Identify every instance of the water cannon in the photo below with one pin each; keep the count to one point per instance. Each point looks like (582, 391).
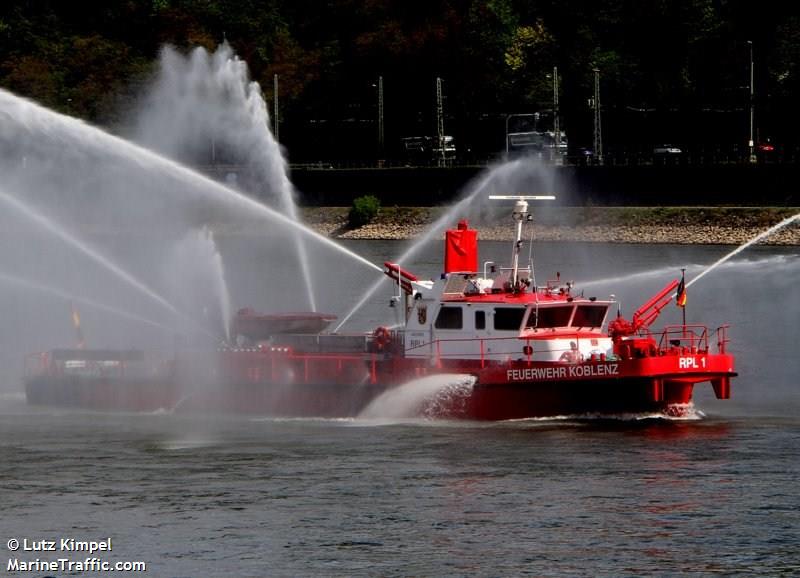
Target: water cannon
(646, 315)
(400, 276)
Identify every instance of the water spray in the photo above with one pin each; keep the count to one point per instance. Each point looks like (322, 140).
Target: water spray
(206, 96)
(84, 248)
(32, 285)
(760, 237)
(35, 119)
(506, 170)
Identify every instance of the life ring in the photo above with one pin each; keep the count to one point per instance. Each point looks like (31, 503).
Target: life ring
(382, 338)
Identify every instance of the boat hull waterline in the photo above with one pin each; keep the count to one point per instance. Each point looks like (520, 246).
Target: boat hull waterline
(296, 385)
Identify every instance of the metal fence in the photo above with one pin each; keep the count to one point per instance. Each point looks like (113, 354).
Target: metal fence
(704, 156)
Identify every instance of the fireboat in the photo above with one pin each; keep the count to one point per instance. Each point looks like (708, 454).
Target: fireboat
(530, 350)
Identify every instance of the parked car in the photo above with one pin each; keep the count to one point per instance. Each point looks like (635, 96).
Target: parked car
(765, 151)
(666, 150)
(666, 154)
(425, 150)
(537, 144)
(584, 156)
(765, 147)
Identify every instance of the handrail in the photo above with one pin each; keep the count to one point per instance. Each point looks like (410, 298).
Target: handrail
(433, 348)
(691, 336)
(722, 338)
(686, 339)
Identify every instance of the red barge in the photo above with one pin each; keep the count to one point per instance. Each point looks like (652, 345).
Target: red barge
(528, 349)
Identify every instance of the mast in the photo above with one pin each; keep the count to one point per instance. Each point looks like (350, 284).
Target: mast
(519, 215)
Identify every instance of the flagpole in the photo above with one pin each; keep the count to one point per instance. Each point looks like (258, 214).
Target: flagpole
(683, 284)
(76, 322)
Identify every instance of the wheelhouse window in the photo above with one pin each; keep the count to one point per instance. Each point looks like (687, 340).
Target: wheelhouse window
(480, 320)
(589, 316)
(550, 317)
(508, 318)
(449, 318)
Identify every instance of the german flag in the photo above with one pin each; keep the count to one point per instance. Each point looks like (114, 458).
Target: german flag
(680, 299)
(76, 322)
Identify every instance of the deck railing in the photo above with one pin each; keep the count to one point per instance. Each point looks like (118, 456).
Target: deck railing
(687, 338)
(526, 349)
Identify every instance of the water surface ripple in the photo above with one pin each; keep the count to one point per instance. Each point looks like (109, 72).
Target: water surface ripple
(201, 497)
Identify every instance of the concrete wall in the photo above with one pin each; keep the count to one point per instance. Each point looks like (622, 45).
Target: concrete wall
(759, 185)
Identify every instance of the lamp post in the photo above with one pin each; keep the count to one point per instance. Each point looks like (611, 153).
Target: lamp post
(750, 142)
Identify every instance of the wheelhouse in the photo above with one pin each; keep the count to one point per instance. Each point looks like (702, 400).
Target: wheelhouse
(581, 316)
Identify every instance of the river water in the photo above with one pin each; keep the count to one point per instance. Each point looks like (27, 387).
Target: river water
(716, 494)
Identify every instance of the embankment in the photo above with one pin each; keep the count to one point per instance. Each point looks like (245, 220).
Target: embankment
(680, 225)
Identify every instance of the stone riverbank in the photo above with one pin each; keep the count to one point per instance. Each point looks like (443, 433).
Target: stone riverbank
(677, 225)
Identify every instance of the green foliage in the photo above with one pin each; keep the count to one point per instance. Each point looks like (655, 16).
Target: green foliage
(363, 211)
(666, 67)
(528, 40)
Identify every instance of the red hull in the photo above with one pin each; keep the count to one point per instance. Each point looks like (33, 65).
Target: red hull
(101, 393)
(279, 383)
(520, 401)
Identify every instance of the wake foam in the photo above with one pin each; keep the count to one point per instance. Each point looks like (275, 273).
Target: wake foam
(434, 396)
(675, 412)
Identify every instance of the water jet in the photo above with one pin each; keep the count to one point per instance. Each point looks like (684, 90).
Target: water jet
(209, 98)
(760, 237)
(26, 122)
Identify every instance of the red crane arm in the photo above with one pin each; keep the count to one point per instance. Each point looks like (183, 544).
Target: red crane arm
(649, 312)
